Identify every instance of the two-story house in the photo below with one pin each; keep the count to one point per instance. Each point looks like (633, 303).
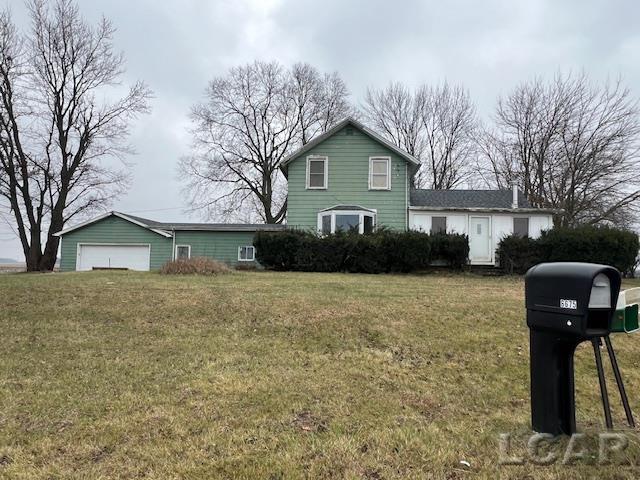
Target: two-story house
(349, 178)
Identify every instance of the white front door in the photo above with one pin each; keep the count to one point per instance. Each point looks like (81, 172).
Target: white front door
(133, 257)
(480, 239)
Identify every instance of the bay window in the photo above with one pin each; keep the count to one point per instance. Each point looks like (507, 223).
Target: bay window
(341, 220)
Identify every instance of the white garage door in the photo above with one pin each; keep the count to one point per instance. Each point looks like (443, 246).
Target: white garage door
(133, 257)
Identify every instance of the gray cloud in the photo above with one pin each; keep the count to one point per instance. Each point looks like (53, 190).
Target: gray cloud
(489, 46)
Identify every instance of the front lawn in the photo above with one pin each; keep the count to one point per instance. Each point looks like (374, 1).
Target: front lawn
(261, 375)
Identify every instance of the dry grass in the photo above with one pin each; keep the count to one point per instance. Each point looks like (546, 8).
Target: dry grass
(195, 265)
(263, 375)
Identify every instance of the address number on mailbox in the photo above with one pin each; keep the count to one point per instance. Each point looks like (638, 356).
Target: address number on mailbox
(569, 304)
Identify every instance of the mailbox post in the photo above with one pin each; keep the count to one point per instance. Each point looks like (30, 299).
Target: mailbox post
(567, 304)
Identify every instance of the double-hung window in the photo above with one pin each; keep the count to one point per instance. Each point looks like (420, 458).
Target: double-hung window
(183, 252)
(317, 172)
(246, 253)
(379, 173)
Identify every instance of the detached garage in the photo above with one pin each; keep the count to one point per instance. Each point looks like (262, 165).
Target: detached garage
(120, 241)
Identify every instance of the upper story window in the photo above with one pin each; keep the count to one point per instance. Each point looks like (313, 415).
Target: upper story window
(438, 225)
(379, 173)
(521, 226)
(317, 172)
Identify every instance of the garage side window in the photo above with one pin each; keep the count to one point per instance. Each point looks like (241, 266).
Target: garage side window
(183, 252)
(438, 225)
(521, 226)
(246, 253)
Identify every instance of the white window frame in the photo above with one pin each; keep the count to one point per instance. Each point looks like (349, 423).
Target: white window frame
(360, 213)
(253, 257)
(325, 159)
(378, 158)
(175, 253)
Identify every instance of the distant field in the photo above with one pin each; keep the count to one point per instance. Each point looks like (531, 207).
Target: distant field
(12, 267)
(259, 375)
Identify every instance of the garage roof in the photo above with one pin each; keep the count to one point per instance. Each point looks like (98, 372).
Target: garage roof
(164, 228)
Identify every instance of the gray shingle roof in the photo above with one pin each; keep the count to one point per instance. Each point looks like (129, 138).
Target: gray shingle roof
(217, 227)
(466, 199)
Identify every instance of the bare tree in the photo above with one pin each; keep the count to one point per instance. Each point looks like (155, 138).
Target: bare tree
(570, 145)
(56, 139)
(449, 122)
(434, 124)
(250, 121)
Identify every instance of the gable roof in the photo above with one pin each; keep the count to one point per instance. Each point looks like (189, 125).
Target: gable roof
(336, 128)
(164, 228)
(466, 199)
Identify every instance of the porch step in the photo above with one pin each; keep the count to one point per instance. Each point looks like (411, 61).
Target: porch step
(486, 270)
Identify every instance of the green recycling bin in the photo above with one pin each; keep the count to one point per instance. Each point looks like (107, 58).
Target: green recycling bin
(627, 314)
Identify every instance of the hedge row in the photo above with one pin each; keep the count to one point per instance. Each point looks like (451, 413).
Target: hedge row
(606, 245)
(379, 252)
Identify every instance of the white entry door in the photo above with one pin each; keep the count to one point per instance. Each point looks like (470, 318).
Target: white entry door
(133, 257)
(480, 239)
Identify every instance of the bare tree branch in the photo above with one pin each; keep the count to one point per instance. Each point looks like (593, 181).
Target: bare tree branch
(250, 121)
(56, 138)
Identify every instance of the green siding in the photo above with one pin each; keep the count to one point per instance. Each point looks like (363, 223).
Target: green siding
(222, 246)
(114, 230)
(348, 182)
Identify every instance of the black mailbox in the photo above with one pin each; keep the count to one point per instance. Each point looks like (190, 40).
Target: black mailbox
(567, 303)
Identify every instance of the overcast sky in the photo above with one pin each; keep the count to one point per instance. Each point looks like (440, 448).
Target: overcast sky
(177, 46)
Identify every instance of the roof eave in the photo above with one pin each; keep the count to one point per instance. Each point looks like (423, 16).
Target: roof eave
(109, 214)
(347, 121)
(487, 209)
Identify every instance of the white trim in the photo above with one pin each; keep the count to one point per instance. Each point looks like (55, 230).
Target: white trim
(373, 159)
(325, 159)
(253, 257)
(406, 196)
(491, 260)
(108, 214)
(336, 207)
(175, 251)
(534, 211)
(337, 127)
(359, 213)
(110, 244)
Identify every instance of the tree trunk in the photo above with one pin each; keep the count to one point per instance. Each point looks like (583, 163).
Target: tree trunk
(48, 259)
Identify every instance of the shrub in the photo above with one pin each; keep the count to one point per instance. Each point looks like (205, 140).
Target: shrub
(382, 251)
(518, 254)
(593, 244)
(279, 251)
(450, 248)
(195, 265)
